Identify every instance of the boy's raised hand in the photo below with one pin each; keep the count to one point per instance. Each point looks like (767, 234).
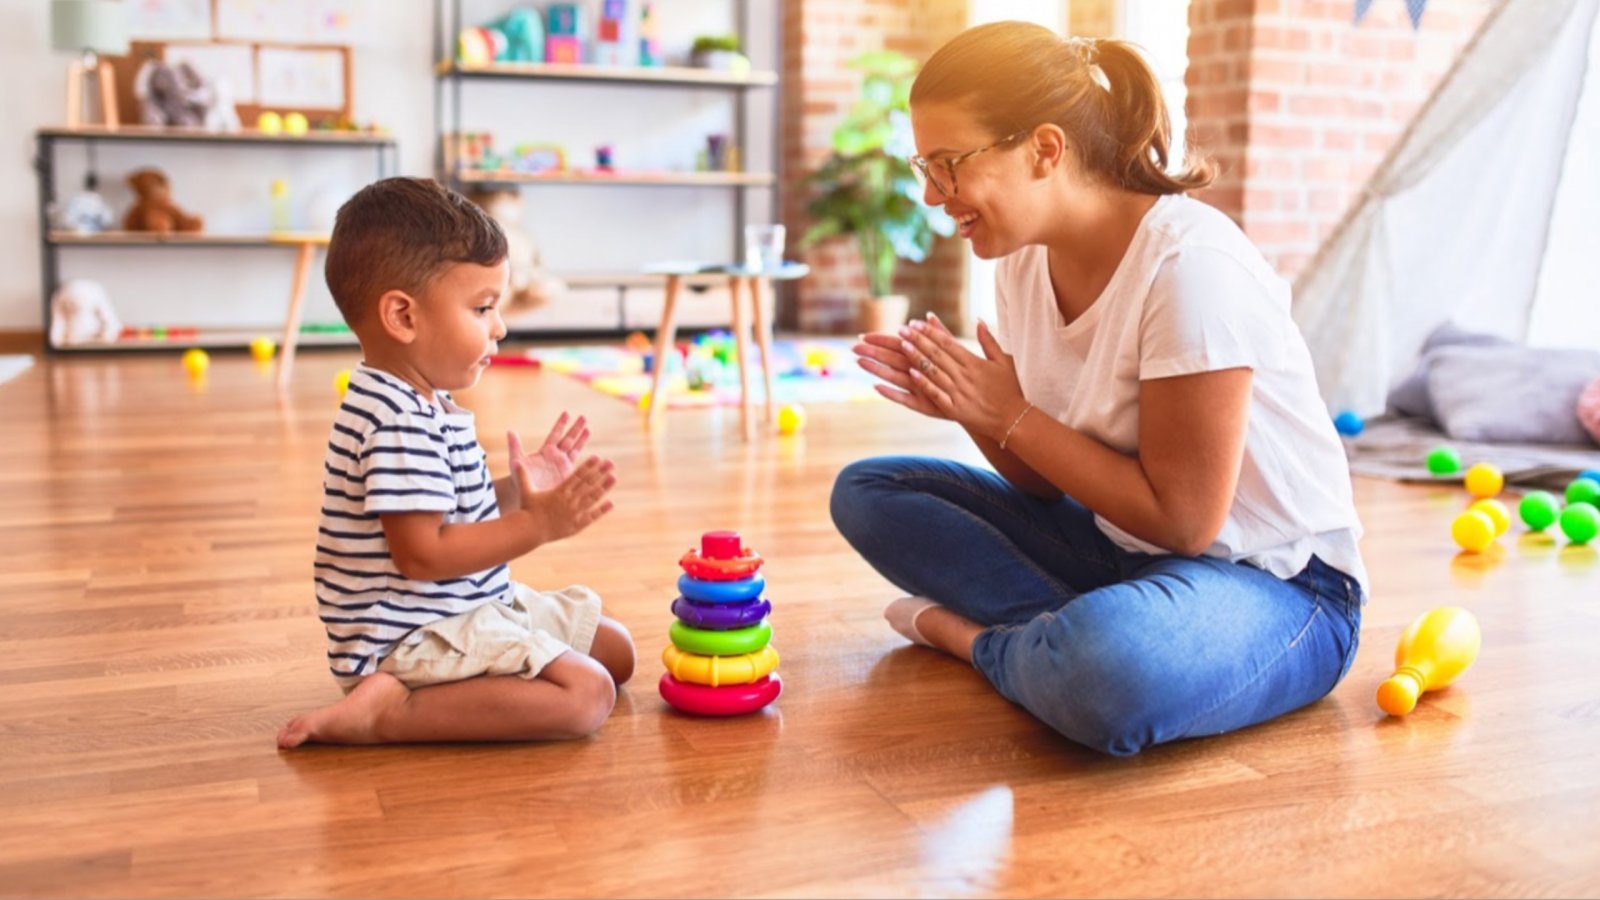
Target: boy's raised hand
(571, 505)
(556, 457)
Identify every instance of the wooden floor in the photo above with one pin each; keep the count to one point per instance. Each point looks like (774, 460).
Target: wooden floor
(157, 626)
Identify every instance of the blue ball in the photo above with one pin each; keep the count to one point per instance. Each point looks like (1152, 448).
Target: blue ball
(1348, 423)
(1591, 474)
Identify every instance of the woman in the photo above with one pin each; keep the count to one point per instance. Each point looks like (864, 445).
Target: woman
(1169, 548)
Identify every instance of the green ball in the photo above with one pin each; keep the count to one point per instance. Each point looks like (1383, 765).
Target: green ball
(1584, 490)
(1444, 461)
(1539, 510)
(1580, 522)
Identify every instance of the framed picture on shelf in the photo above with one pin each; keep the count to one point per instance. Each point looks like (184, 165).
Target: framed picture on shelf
(310, 79)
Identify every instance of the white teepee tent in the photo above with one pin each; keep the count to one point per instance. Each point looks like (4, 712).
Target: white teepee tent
(1486, 212)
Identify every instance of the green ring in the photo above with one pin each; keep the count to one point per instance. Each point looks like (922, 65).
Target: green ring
(737, 642)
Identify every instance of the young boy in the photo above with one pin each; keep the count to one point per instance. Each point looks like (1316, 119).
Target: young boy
(427, 633)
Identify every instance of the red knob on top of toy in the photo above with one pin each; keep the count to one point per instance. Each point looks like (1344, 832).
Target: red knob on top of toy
(721, 545)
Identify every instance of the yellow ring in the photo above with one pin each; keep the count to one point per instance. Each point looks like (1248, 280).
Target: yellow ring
(719, 670)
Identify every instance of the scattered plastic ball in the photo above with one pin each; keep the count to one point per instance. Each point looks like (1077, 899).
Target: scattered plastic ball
(1348, 424)
(1497, 513)
(644, 401)
(1484, 480)
(269, 122)
(1583, 490)
(791, 418)
(1444, 461)
(1539, 510)
(295, 123)
(263, 348)
(1591, 474)
(1580, 522)
(341, 382)
(195, 362)
(1473, 531)
(637, 342)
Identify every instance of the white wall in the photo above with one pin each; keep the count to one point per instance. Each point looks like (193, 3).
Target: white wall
(578, 229)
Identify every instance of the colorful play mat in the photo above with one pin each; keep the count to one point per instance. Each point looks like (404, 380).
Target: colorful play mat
(703, 372)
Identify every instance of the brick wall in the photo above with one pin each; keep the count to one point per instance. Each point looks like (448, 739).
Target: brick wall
(1299, 105)
(820, 37)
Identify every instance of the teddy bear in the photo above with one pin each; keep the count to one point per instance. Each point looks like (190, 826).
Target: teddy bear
(154, 209)
(80, 312)
(531, 286)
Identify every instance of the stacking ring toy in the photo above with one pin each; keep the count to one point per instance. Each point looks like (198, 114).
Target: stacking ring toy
(719, 670)
(720, 616)
(720, 643)
(721, 591)
(709, 569)
(732, 700)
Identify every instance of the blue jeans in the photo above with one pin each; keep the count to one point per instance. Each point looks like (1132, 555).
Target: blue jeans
(1118, 651)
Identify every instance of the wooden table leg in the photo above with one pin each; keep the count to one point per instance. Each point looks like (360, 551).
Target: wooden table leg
(297, 299)
(664, 335)
(741, 340)
(763, 327)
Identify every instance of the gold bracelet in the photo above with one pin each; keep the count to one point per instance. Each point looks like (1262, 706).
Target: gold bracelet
(1014, 423)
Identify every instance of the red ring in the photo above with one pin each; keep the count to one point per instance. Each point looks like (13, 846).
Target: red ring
(728, 700)
(736, 569)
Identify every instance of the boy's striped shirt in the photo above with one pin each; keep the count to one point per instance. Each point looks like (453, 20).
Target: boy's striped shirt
(392, 451)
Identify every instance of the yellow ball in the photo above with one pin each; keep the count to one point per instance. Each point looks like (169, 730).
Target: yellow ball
(791, 418)
(341, 382)
(1484, 480)
(195, 362)
(1497, 513)
(295, 123)
(1473, 530)
(269, 122)
(263, 348)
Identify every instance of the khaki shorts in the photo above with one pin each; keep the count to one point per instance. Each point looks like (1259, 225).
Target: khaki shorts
(519, 638)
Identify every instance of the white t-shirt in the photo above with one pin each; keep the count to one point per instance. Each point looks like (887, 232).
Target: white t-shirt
(1192, 294)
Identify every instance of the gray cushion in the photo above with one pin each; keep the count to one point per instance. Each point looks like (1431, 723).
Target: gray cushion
(1410, 397)
(1511, 393)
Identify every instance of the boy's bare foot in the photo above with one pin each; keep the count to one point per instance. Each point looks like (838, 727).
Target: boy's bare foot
(353, 720)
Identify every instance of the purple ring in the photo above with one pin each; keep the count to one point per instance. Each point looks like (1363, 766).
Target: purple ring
(721, 616)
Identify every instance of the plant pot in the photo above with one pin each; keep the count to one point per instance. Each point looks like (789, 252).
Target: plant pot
(883, 314)
(719, 60)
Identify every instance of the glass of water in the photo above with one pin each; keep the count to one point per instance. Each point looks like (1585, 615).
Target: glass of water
(763, 247)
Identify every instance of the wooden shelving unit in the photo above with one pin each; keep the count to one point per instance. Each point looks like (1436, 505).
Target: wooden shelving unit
(52, 243)
(759, 30)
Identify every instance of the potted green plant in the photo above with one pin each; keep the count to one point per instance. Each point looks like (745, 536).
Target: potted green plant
(865, 188)
(718, 51)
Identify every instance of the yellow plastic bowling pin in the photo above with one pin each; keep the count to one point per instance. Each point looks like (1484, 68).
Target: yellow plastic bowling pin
(1433, 652)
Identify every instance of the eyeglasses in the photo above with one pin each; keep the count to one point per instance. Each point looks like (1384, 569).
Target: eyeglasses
(941, 172)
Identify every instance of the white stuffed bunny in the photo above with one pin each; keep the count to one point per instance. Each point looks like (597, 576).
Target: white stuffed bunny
(80, 313)
(222, 115)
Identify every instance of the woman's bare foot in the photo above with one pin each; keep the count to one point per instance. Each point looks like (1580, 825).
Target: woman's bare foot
(353, 720)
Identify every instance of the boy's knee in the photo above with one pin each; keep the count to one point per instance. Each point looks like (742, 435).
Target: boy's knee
(589, 703)
(613, 648)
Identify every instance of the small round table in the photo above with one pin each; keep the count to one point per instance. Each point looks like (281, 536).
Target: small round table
(739, 278)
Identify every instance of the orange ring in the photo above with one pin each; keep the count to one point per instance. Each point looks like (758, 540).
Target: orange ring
(736, 569)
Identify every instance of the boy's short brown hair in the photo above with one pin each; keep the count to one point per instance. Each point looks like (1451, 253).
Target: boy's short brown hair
(400, 234)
